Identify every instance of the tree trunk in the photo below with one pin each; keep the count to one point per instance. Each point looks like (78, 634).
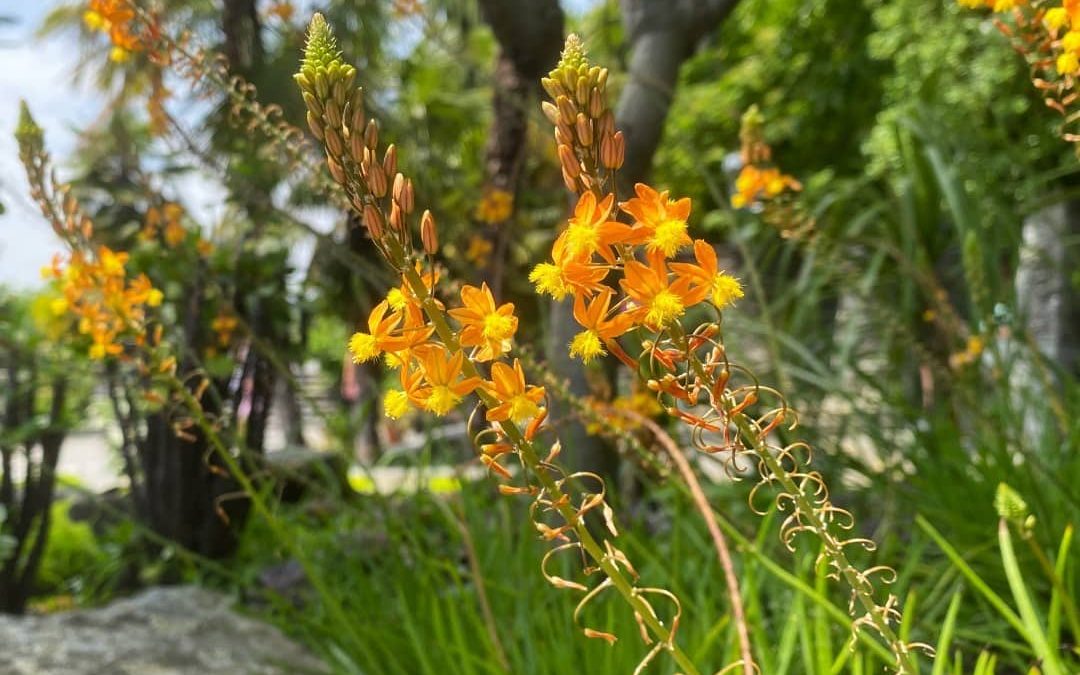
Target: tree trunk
(1047, 297)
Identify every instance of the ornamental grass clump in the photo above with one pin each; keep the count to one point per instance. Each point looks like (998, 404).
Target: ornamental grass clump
(446, 350)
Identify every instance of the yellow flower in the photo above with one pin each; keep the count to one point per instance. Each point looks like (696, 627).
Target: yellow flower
(586, 346)
(395, 403)
(1071, 41)
(1056, 17)
(1006, 5)
(726, 289)
(1068, 63)
(119, 55)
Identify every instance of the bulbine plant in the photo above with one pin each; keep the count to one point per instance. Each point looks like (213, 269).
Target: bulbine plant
(443, 354)
(616, 261)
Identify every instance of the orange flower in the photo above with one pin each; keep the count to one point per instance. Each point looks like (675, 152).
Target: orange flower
(483, 324)
(565, 276)
(599, 330)
(660, 223)
(589, 231)
(381, 336)
(518, 402)
(443, 387)
(415, 331)
(722, 288)
(659, 304)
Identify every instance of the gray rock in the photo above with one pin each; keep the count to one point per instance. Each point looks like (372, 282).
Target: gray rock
(183, 630)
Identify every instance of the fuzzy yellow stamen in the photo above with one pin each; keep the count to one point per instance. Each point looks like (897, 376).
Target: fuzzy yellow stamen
(498, 327)
(726, 289)
(548, 280)
(396, 299)
(669, 237)
(364, 347)
(581, 239)
(586, 346)
(395, 403)
(522, 409)
(664, 308)
(442, 400)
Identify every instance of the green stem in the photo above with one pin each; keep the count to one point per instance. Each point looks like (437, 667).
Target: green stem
(527, 453)
(808, 512)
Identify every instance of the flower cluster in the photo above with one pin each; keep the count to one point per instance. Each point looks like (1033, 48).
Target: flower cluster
(595, 247)
(107, 306)
(113, 17)
(639, 243)
(1047, 34)
(445, 352)
(758, 182)
(495, 206)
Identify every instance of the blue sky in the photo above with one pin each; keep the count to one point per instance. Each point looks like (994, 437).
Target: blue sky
(38, 71)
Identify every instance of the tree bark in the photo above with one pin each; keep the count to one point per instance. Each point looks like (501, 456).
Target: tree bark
(243, 39)
(1047, 296)
(530, 35)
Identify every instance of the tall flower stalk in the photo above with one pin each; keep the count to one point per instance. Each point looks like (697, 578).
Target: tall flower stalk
(675, 307)
(444, 354)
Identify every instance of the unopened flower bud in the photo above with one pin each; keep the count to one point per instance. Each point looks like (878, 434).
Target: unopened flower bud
(334, 142)
(596, 104)
(376, 180)
(312, 103)
(584, 129)
(315, 125)
(397, 218)
(356, 146)
(356, 110)
(581, 92)
(371, 135)
(566, 110)
(550, 86)
(606, 124)
(612, 150)
(389, 162)
(373, 221)
(570, 182)
(569, 161)
(335, 169)
(550, 111)
(333, 113)
(428, 234)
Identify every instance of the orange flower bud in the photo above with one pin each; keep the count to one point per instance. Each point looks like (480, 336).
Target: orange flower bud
(584, 129)
(373, 221)
(315, 125)
(389, 161)
(371, 135)
(569, 162)
(566, 110)
(428, 234)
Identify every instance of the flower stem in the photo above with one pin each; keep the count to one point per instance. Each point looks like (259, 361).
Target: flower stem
(527, 452)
